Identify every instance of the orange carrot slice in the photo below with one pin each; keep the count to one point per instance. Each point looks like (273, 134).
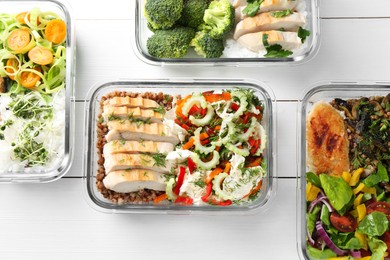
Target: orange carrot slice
(18, 40)
(55, 31)
(40, 55)
(160, 198)
(29, 79)
(12, 67)
(212, 174)
(20, 17)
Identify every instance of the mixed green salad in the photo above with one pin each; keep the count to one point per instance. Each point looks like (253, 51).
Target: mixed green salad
(348, 215)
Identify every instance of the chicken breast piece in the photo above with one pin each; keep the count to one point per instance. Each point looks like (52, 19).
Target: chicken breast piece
(254, 41)
(266, 6)
(125, 130)
(327, 140)
(122, 146)
(122, 161)
(131, 102)
(266, 22)
(110, 113)
(134, 180)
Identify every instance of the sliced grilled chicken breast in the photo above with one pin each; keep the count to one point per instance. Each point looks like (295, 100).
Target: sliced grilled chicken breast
(110, 112)
(131, 102)
(131, 131)
(254, 41)
(266, 6)
(266, 22)
(122, 146)
(134, 180)
(327, 140)
(123, 161)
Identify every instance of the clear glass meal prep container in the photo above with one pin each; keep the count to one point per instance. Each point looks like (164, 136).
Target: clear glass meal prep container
(63, 10)
(307, 51)
(175, 87)
(323, 92)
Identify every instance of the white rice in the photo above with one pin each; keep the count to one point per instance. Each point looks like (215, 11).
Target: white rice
(52, 137)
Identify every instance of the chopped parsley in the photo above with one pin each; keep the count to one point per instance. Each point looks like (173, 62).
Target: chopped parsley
(280, 14)
(274, 50)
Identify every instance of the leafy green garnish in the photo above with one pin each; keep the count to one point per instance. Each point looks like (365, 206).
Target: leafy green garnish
(303, 34)
(374, 224)
(252, 7)
(377, 247)
(320, 254)
(379, 176)
(159, 159)
(160, 110)
(314, 179)
(280, 14)
(274, 50)
(337, 190)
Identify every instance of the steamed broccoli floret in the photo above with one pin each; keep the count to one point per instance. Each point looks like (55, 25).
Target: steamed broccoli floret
(172, 43)
(218, 19)
(193, 12)
(162, 14)
(207, 46)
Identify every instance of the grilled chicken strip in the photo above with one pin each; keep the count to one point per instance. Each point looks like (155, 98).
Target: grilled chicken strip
(110, 113)
(266, 6)
(266, 22)
(125, 130)
(123, 161)
(254, 41)
(122, 146)
(327, 140)
(134, 180)
(131, 102)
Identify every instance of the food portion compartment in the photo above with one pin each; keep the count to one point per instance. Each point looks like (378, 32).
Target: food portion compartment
(225, 31)
(36, 87)
(344, 169)
(155, 146)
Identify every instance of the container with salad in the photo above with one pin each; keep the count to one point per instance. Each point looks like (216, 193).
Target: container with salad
(225, 31)
(36, 85)
(196, 146)
(345, 166)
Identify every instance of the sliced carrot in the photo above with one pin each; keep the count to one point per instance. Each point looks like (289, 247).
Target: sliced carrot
(212, 175)
(227, 167)
(216, 97)
(20, 17)
(179, 105)
(256, 162)
(18, 40)
(189, 144)
(160, 198)
(12, 67)
(203, 136)
(55, 31)
(217, 128)
(40, 55)
(29, 79)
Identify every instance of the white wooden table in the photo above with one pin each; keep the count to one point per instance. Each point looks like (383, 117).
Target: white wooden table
(54, 221)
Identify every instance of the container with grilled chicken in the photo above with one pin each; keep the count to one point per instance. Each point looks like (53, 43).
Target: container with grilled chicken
(344, 166)
(226, 32)
(199, 146)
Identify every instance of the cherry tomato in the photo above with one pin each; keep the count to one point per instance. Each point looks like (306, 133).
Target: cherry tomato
(346, 223)
(380, 206)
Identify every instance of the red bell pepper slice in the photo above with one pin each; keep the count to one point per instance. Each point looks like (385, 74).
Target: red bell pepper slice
(222, 203)
(180, 180)
(235, 107)
(191, 165)
(209, 189)
(194, 110)
(184, 200)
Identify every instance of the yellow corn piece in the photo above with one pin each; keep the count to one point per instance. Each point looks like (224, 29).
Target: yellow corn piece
(359, 188)
(361, 212)
(338, 258)
(311, 192)
(362, 238)
(370, 190)
(346, 176)
(358, 200)
(355, 176)
(364, 258)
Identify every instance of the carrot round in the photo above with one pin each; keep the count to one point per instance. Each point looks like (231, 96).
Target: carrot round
(40, 55)
(160, 198)
(12, 67)
(20, 17)
(18, 40)
(55, 31)
(189, 144)
(29, 79)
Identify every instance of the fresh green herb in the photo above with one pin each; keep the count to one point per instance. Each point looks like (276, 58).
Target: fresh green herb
(314, 179)
(145, 159)
(160, 110)
(374, 224)
(200, 183)
(337, 190)
(252, 7)
(303, 34)
(30, 106)
(275, 50)
(280, 14)
(145, 174)
(100, 120)
(159, 159)
(379, 176)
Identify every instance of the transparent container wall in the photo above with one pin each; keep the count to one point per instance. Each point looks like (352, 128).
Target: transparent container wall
(174, 88)
(46, 174)
(306, 52)
(324, 92)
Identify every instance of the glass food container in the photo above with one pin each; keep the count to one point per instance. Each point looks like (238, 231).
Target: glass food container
(246, 58)
(323, 92)
(63, 161)
(176, 87)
